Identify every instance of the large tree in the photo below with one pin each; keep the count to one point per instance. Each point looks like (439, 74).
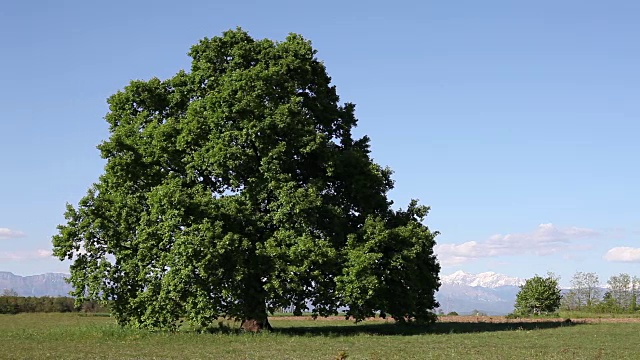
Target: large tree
(237, 188)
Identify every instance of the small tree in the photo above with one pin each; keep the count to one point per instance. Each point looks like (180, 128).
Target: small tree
(9, 292)
(624, 289)
(620, 287)
(635, 290)
(570, 301)
(585, 291)
(608, 304)
(538, 296)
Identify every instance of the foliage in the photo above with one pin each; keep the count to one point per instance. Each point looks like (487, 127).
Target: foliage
(452, 313)
(10, 304)
(538, 296)
(623, 291)
(621, 297)
(238, 188)
(585, 292)
(512, 315)
(9, 292)
(608, 305)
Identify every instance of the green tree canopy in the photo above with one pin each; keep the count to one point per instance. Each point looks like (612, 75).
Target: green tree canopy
(237, 188)
(538, 295)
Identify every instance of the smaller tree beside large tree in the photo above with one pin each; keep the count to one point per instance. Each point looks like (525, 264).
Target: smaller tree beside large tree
(539, 295)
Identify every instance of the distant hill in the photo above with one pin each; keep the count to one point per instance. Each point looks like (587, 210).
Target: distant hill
(488, 292)
(464, 299)
(51, 284)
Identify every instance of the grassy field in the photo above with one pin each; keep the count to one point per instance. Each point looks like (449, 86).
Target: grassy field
(71, 336)
(592, 315)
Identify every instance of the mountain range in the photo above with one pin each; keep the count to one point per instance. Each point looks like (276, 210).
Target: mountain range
(464, 293)
(488, 292)
(486, 279)
(50, 284)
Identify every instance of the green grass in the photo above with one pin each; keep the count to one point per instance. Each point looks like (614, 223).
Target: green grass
(596, 315)
(70, 336)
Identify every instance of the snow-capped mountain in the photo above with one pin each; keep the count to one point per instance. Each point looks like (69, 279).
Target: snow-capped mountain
(488, 292)
(462, 292)
(488, 279)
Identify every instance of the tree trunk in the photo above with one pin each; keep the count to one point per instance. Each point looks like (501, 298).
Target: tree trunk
(255, 325)
(254, 306)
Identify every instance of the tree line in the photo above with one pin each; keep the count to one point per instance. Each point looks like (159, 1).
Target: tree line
(11, 303)
(542, 295)
(619, 296)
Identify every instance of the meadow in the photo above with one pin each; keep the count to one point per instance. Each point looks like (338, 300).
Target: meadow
(78, 336)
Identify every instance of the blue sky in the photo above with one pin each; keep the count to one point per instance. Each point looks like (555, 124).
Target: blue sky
(517, 122)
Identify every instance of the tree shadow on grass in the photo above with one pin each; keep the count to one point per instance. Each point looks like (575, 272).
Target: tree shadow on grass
(407, 330)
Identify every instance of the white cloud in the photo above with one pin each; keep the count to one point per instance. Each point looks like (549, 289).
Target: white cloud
(10, 256)
(450, 260)
(25, 255)
(42, 253)
(6, 234)
(623, 254)
(546, 239)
